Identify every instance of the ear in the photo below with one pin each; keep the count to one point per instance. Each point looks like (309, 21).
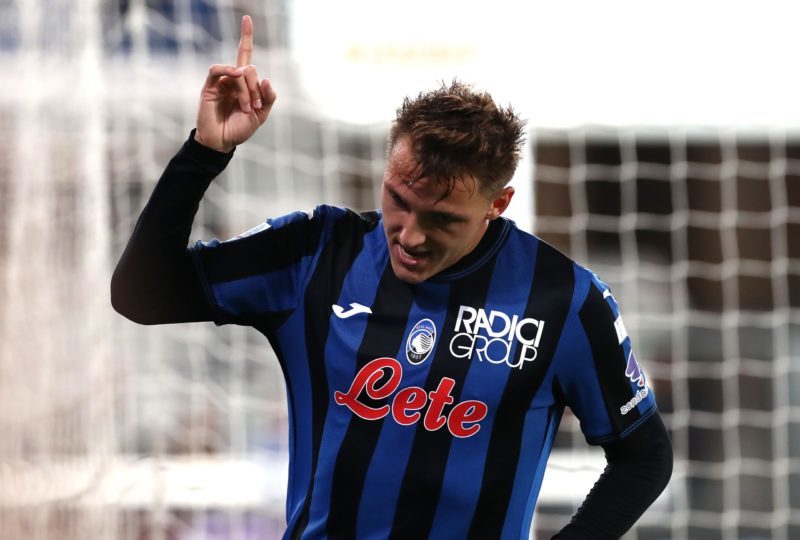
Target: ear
(500, 202)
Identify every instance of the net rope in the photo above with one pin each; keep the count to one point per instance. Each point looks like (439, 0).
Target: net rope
(116, 431)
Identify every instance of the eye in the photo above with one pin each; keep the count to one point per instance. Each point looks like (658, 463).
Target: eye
(443, 221)
(397, 200)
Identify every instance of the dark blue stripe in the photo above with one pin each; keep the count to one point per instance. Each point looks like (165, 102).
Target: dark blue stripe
(549, 300)
(265, 271)
(298, 380)
(385, 474)
(538, 440)
(427, 464)
(383, 337)
(323, 290)
(610, 360)
(255, 295)
(344, 337)
(508, 293)
(519, 518)
(286, 241)
(575, 370)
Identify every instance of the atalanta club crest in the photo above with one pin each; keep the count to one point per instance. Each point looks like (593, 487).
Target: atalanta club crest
(420, 341)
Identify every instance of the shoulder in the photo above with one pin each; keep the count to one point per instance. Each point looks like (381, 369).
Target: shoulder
(589, 287)
(550, 255)
(536, 244)
(362, 220)
(344, 228)
(326, 215)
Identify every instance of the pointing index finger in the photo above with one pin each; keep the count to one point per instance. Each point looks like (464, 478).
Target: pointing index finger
(245, 54)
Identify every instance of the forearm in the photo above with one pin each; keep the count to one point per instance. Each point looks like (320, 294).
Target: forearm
(638, 470)
(155, 281)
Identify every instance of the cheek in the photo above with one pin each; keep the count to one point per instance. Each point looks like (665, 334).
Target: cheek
(455, 243)
(394, 219)
(390, 221)
(440, 243)
(391, 226)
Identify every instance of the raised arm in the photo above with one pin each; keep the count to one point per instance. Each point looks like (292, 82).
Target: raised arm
(155, 281)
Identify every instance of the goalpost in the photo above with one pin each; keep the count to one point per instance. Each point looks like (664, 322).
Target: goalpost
(110, 430)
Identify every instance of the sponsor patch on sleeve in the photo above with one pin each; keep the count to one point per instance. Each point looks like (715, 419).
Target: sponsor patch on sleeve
(619, 326)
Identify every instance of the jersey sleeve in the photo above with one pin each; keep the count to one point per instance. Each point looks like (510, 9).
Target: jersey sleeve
(602, 380)
(259, 276)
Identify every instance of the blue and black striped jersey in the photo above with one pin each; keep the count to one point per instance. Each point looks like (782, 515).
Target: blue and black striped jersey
(424, 410)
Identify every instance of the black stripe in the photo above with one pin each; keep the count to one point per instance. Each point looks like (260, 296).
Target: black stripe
(323, 290)
(549, 300)
(262, 252)
(383, 336)
(422, 482)
(278, 350)
(266, 323)
(597, 319)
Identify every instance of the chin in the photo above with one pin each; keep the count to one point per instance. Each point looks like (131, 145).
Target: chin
(404, 275)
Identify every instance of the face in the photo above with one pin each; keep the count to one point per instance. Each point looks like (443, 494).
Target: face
(425, 232)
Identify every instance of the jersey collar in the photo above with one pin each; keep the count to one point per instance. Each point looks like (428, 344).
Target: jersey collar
(491, 241)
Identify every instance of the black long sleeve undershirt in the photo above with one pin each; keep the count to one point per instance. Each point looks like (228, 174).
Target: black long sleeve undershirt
(639, 468)
(155, 282)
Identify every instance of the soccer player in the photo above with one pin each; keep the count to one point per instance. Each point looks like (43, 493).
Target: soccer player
(429, 348)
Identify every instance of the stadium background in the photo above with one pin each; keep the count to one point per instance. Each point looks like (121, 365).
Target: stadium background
(663, 153)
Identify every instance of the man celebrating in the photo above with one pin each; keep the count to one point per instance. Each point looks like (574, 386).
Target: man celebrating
(429, 349)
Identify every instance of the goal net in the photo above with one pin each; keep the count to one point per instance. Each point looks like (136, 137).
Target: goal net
(110, 430)
(696, 231)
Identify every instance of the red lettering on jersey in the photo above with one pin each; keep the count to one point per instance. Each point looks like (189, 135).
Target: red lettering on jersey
(462, 421)
(367, 379)
(412, 398)
(439, 398)
(466, 412)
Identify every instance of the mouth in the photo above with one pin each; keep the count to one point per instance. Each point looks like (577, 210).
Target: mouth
(410, 258)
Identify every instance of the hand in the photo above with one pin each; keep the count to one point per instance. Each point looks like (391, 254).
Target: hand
(233, 103)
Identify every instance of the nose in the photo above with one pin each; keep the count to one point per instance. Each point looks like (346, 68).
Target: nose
(412, 235)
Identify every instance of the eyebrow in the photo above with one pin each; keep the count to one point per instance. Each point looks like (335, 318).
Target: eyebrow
(437, 213)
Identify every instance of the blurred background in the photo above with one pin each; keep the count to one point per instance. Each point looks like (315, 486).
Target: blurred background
(663, 152)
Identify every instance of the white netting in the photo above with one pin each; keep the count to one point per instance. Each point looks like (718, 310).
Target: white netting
(115, 431)
(111, 430)
(696, 232)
